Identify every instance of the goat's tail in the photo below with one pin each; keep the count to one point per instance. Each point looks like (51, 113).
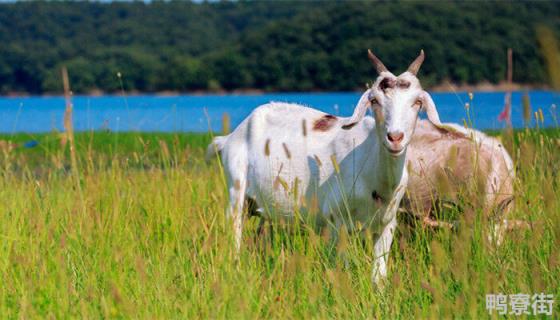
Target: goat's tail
(215, 147)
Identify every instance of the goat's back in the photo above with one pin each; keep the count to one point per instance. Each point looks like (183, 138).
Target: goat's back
(446, 166)
(275, 148)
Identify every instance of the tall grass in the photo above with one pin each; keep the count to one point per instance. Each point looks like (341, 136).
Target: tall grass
(150, 241)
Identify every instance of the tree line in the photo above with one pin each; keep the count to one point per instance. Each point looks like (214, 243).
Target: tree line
(273, 46)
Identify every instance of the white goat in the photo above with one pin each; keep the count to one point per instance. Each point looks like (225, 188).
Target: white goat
(355, 170)
(443, 163)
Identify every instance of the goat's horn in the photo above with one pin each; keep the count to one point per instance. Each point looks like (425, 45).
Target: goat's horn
(415, 65)
(379, 66)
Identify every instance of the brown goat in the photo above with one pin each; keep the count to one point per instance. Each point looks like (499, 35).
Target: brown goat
(445, 165)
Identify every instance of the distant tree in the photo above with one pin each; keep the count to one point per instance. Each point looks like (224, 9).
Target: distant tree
(288, 46)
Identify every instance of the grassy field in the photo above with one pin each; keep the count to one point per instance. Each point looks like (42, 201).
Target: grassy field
(138, 231)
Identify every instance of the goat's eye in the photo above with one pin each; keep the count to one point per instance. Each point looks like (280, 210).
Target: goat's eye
(373, 101)
(417, 103)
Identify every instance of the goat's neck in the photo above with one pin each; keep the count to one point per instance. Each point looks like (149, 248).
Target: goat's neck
(390, 168)
(394, 166)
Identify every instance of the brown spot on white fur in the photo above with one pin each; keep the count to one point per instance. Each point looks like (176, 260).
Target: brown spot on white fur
(387, 83)
(324, 123)
(403, 84)
(304, 127)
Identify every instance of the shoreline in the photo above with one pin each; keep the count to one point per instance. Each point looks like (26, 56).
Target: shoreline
(445, 87)
(503, 86)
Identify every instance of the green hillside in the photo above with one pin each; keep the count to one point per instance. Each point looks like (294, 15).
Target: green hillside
(283, 46)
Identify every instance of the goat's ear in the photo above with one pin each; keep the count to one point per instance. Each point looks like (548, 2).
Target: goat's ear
(359, 112)
(429, 106)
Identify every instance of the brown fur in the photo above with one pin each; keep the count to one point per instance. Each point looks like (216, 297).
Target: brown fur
(324, 123)
(403, 84)
(387, 83)
(444, 166)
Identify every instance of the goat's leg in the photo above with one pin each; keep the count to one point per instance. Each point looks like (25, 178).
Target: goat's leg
(500, 213)
(261, 227)
(235, 209)
(381, 252)
(505, 226)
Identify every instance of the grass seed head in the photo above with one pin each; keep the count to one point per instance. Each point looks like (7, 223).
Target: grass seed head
(286, 150)
(267, 148)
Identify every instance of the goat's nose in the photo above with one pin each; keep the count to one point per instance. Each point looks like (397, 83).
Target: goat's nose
(395, 137)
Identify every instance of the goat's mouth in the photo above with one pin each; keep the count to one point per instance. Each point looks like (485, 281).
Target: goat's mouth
(395, 152)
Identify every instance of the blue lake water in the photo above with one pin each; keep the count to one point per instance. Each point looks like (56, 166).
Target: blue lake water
(194, 112)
